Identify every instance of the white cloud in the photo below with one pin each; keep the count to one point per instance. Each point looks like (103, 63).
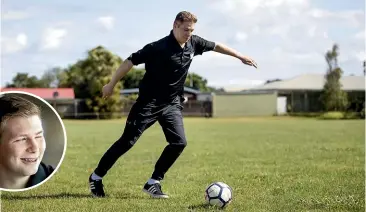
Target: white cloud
(237, 84)
(360, 35)
(107, 22)
(361, 56)
(212, 57)
(14, 15)
(283, 14)
(255, 30)
(281, 30)
(287, 37)
(312, 56)
(14, 44)
(318, 13)
(354, 18)
(285, 56)
(22, 39)
(312, 31)
(52, 38)
(249, 7)
(241, 36)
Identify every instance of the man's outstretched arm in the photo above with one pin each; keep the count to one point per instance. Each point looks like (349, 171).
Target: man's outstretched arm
(116, 77)
(123, 69)
(136, 58)
(223, 49)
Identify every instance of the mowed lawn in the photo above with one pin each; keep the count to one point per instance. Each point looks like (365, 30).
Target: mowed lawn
(272, 164)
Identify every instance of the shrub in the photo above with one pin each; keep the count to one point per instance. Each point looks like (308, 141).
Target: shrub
(332, 115)
(352, 115)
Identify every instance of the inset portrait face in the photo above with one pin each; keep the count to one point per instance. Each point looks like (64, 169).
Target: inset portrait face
(22, 145)
(31, 134)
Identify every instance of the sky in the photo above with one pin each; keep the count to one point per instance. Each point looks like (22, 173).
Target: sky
(285, 37)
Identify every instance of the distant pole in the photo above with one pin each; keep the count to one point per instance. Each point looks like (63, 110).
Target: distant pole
(191, 81)
(364, 67)
(55, 95)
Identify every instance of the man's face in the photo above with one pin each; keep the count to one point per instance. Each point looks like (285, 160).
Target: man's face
(183, 30)
(22, 146)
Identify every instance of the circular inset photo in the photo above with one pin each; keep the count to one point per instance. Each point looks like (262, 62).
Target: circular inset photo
(32, 141)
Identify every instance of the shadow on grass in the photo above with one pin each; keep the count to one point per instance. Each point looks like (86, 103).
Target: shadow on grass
(64, 195)
(124, 195)
(203, 206)
(45, 196)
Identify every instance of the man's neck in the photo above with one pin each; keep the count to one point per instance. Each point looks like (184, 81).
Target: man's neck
(181, 44)
(9, 181)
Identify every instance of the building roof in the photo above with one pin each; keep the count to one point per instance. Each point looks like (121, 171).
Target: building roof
(46, 93)
(136, 90)
(314, 82)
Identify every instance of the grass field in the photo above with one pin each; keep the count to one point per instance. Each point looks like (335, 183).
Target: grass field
(272, 164)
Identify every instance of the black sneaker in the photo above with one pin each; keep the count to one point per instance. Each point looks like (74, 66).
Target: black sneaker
(96, 187)
(154, 190)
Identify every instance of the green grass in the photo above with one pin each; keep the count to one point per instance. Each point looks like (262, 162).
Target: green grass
(272, 164)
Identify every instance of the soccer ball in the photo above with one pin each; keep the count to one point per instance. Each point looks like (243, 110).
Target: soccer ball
(218, 194)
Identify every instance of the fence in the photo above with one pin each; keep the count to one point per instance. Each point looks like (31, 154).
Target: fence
(192, 108)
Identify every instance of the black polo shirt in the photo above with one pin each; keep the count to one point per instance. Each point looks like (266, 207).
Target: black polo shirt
(167, 64)
(42, 173)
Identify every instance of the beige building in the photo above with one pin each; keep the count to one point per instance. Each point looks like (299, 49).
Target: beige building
(298, 94)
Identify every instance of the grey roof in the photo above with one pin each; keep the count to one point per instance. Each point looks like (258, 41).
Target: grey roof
(129, 91)
(136, 90)
(314, 82)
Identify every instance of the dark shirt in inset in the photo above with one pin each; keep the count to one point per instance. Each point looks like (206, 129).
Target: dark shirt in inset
(42, 173)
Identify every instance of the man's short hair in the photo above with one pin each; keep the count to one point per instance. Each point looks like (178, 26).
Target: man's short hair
(12, 105)
(184, 16)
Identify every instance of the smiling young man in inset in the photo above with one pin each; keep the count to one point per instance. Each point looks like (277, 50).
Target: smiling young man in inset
(22, 144)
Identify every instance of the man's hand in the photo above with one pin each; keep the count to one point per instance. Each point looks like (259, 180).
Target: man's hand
(107, 90)
(248, 61)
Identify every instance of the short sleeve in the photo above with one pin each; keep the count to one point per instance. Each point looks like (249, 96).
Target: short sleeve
(142, 55)
(202, 45)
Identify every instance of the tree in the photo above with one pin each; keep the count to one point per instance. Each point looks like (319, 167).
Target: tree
(197, 82)
(49, 79)
(215, 89)
(333, 98)
(53, 77)
(272, 80)
(23, 80)
(89, 75)
(133, 78)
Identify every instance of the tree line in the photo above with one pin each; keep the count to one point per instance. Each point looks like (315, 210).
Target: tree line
(88, 75)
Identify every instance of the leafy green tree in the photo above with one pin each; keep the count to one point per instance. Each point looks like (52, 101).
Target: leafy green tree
(89, 75)
(333, 97)
(52, 77)
(23, 80)
(197, 82)
(133, 78)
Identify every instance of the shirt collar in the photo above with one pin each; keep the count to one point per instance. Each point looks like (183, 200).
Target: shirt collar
(174, 40)
(39, 176)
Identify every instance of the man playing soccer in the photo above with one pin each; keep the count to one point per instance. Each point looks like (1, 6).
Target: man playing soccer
(160, 96)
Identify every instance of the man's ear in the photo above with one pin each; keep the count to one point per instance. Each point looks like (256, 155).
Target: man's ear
(176, 24)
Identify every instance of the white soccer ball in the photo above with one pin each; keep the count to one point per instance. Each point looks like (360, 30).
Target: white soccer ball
(218, 194)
